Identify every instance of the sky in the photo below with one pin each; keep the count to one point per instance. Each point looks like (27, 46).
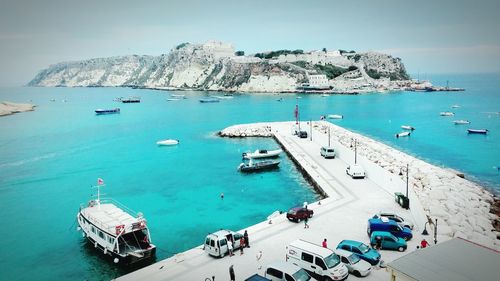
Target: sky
(430, 36)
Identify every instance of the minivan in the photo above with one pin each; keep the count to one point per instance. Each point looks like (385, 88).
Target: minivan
(216, 243)
(355, 171)
(279, 271)
(317, 260)
(327, 152)
(385, 224)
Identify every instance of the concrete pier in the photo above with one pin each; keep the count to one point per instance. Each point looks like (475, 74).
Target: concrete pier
(342, 214)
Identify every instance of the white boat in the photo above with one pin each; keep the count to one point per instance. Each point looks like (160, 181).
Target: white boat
(262, 153)
(461, 122)
(115, 230)
(407, 127)
(403, 134)
(335, 116)
(325, 95)
(178, 96)
(173, 99)
(167, 142)
(455, 106)
(223, 97)
(446, 113)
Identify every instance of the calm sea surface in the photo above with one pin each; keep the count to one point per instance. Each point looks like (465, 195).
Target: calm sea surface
(50, 158)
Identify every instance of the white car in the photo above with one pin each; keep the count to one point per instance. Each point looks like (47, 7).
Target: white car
(395, 217)
(327, 152)
(354, 264)
(356, 171)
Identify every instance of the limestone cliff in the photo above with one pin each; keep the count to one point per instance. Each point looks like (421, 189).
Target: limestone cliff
(214, 66)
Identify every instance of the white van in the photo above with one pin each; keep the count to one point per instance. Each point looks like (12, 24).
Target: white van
(355, 171)
(316, 259)
(327, 152)
(216, 243)
(279, 271)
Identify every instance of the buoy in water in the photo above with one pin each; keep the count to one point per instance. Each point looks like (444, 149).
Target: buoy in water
(105, 251)
(95, 244)
(116, 260)
(83, 234)
(78, 228)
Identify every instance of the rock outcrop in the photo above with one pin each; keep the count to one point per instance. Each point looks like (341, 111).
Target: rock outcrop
(214, 66)
(8, 108)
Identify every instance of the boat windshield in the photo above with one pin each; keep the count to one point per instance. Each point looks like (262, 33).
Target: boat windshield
(363, 248)
(301, 275)
(353, 259)
(332, 260)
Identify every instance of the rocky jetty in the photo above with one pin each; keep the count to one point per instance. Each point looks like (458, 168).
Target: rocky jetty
(8, 108)
(463, 208)
(216, 66)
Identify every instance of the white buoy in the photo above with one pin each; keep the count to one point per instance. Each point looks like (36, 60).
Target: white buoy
(95, 244)
(78, 228)
(105, 251)
(116, 260)
(83, 234)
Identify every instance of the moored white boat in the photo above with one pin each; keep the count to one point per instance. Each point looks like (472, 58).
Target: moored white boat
(478, 131)
(209, 100)
(223, 97)
(258, 166)
(455, 106)
(407, 127)
(173, 99)
(113, 230)
(262, 153)
(335, 116)
(403, 134)
(446, 113)
(461, 122)
(167, 142)
(178, 96)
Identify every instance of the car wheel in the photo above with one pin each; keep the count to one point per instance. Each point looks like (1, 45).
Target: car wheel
(401, 249)
(356, 273)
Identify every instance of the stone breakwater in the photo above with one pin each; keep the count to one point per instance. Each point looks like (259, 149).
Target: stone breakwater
(463, 208)
(8, 108)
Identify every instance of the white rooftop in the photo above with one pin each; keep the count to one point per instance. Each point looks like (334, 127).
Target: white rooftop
(107, 216)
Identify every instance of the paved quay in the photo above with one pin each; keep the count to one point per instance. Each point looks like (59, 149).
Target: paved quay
(343, 214)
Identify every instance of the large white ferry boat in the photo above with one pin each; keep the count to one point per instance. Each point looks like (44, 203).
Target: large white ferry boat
(115, 231)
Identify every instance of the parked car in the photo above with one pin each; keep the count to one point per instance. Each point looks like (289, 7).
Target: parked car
(356, 171)
(327, 152)
(354, 264)
(395, 217)
(297, 214)
(388, 241)
(302, 134)
(385, 224)
(287, 272)
(257, 277)
(361, 250)
(216, 243)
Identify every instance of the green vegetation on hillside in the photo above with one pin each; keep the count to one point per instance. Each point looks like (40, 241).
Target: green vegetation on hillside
(273, 54)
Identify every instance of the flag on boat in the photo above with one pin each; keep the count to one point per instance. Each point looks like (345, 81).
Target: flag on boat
(100, 181)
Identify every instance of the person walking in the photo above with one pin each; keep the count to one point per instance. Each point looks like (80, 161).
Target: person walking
(242, 245)
(247, 243)
(231, 273)
(306, 219)
(423, 244)
(378, 244)
(230, 247)
(324, 243)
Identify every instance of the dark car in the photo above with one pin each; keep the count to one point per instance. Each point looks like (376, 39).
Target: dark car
(302, 134)
(298, 213)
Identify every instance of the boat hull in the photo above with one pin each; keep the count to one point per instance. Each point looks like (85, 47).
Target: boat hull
(479, 132)
(259, 167)
(167, 142)
(107, 111)
(149, 256)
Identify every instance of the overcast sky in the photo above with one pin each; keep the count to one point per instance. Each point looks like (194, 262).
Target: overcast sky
(431, 36)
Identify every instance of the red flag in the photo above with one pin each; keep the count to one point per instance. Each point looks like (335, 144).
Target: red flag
(100, 181)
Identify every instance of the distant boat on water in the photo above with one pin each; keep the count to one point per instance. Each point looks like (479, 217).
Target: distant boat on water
(107, 111)
(455, 106)
(178, 96)
(477, 131)
(446, 113)
(262, 153)
(461, 122)
(403, 134)
(223, 97)
(173, 99)
(209, 100)
(168, 142)
(335, 116)
(131, 100)
(407, 127)
(259, 166)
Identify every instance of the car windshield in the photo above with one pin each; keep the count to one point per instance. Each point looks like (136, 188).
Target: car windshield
(353, 259)
(363, 248)
(292, 212)
(332, 260)
(301, 275)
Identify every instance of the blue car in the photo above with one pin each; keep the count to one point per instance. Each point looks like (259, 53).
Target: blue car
(388, 241)
(385, 224)
(361, 250)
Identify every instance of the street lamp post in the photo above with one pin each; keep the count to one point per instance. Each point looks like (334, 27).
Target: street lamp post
(328, 136)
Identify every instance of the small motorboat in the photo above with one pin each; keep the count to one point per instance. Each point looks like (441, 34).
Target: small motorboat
(258, 166)
(403, 134)
(447, 113)
(477, 131)
(168, 142)
(209, 100)
(224, 97)
(173, 99)
(461, 122)
(407, 127)
(455, 106)
(335, 116)
(107, 111)
(131, 100)
(262, 153)
(178, 96)
(325, 95)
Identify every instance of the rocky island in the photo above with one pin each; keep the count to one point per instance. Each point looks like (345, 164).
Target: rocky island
(217, 66)
(8, 108)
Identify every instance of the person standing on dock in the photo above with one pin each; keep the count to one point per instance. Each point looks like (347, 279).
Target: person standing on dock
(231, 273)
(230, 247)
(306, 219)
(247, 243)
(324, 243)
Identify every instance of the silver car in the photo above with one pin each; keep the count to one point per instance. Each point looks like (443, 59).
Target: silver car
(354, 264)
(397, 218)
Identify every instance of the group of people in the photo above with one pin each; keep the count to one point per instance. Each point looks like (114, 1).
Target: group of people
(244, 243)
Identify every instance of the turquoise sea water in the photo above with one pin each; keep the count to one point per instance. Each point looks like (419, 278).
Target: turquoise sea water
(51, 157)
